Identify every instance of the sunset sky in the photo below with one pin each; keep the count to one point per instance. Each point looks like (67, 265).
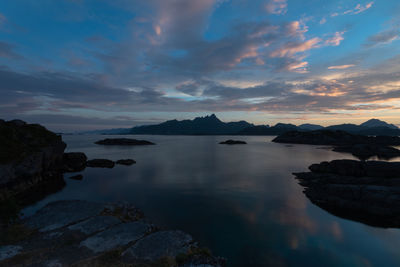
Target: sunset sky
(96, 64)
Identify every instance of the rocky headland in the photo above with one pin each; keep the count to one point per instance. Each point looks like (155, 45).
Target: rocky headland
(361, 146)
(365, 191)
(80, 233)
(33, 161)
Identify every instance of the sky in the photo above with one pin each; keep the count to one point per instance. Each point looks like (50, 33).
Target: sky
(95, 64)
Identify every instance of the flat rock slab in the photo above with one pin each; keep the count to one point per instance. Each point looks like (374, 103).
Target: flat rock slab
(159, 245)
(81, 233)
(62, 213)
(95, 224)
(116, 236)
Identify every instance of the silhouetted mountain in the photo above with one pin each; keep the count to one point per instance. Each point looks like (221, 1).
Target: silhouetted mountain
(310, 127)
(378, 123)
(209, 125)
(277, 129)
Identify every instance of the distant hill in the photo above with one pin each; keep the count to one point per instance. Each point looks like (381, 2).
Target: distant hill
(378, 123)
(209, 125)
(310, 127)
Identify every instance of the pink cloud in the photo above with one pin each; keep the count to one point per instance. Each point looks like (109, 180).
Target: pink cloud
(293, 48)
(277, 7)
(341, 67)
(336, 39)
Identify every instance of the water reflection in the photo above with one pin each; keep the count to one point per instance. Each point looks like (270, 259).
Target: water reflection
(241, 201)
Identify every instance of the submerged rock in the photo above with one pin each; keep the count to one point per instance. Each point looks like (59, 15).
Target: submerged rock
(100, 163)
(81, 233)
(233, 142)
(123, 142)
(126, 162)
(368, 192)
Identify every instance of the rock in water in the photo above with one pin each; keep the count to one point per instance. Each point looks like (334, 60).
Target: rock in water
(233, 142)
(100, 163)
(368, 192)
(127, 162)
(78, 177)
(123, 142)
(74, 161)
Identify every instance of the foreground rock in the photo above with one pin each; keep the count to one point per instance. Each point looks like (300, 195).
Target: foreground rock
(30, 159)
(126, 162)
(233, 142)
(100, 163)
(83, 233)
(123, 142)
(360, 146)
(368, 192)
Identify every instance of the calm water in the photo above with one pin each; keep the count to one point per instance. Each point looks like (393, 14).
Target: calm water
(240, 201)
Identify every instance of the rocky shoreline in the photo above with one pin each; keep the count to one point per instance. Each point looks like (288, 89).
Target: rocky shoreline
(75, 232)
(81, 233)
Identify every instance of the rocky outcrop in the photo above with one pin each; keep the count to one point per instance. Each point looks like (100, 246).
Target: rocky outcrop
(360, 146)
(366, 151)
(368, 192)
(74, 162)
(100, 163)
(81, 233)
(126, 162)
(123, 142)
(232, 142)
(30, 157)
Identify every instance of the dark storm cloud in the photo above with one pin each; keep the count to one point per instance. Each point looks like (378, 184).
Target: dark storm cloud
(7, 51)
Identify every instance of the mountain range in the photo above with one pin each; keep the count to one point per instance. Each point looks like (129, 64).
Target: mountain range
(211, 125)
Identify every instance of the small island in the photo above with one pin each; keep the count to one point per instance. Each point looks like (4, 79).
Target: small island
(361, 146)
(123, 142)
(364, 191)
(233, 142)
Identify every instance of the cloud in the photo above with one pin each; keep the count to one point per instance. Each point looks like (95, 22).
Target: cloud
(341, 67)
(277, 7)
(7, 51)
(384, 37)
(296, 47)
(359, 9)
(336, 39)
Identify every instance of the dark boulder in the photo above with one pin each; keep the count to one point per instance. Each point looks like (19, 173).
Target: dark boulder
(126, 162)
(233, 142)
(78, 177)
(100, 163)
(123, 142)
(366, 151)
(74, 162)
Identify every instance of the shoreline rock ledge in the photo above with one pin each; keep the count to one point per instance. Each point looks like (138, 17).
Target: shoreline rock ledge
(364, 191)
(81, 233)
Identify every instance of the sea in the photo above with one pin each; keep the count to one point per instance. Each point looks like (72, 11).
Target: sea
(240, 201)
